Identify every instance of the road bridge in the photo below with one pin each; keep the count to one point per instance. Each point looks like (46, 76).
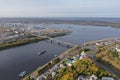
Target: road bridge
(60, 42)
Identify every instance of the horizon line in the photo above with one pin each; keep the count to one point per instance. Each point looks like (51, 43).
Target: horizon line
(58, 17)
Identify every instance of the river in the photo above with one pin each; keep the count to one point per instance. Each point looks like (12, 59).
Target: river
(25, 58)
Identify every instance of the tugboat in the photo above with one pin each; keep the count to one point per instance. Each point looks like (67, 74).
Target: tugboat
(40, 53)
(22, 74)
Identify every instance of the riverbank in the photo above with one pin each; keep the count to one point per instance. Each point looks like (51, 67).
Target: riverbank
(61, 57)
(21, 42)
(76, 70)
(33, 39)
(51, 63)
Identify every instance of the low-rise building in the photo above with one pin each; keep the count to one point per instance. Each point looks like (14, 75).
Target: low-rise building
(53, 74)
(93, 77)
(82, 77)
(118, 49)
(62, 66)
(83, 55)
(42, 77)
(68, 62)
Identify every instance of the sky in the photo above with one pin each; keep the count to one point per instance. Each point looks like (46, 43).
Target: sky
(59, 8)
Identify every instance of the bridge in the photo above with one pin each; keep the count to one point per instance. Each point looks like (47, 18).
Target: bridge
(56, 41)
(60, 43)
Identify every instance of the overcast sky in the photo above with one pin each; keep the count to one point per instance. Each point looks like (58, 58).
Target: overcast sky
(59, 8)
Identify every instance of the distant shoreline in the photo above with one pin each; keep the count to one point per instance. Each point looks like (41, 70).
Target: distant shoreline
(82, 21)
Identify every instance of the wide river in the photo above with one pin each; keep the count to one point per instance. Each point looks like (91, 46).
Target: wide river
(25, 58)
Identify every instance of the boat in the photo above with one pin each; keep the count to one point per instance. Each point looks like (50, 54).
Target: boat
(40, 53)
(22, 74)
(55, 55)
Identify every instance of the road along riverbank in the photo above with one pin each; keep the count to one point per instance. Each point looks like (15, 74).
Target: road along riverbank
(51, 63)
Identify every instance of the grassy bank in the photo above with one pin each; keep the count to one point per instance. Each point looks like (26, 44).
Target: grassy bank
(41, 69)
(21, 42)
(70, 73)
(48, 65)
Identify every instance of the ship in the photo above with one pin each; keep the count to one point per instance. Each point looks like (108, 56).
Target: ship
(40, 53)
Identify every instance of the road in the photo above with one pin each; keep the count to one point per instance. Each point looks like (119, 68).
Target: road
(103, 66)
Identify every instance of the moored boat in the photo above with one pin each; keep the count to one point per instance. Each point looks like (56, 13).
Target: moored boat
(55, 55)
(22, 74)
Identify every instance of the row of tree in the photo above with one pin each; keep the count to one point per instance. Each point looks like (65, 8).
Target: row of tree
(81, 67)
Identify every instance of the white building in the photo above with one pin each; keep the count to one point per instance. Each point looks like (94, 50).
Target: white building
(93, 77)
(42, 77)
(62, 66)
(118, 49)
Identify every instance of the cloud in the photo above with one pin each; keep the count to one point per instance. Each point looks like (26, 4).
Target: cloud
(60, 8)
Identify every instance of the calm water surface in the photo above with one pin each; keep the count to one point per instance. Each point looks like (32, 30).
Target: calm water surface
(15, 60)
